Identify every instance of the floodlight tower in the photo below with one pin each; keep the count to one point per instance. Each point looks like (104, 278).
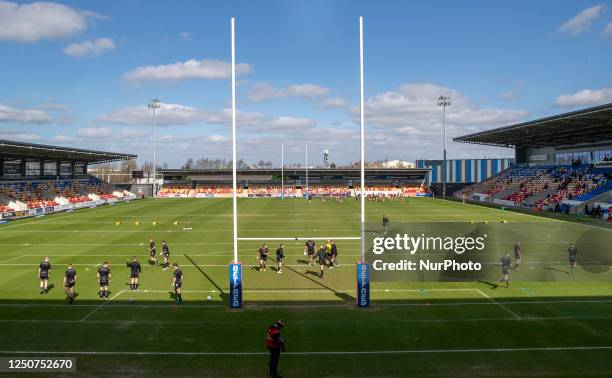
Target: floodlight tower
(444, 101)
(154, 105)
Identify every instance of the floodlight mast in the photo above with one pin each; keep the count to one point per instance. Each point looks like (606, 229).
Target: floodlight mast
(444, 101)
(282, 171)
(234, 163)
(362, 147)
(154, 105)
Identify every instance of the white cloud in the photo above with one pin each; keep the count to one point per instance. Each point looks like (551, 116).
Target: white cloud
(264, 91)
(514, 93)
(24, 116)
(585, 97)
(185, 36)
(334, 102)
(175, 114)
(94, 132)
(41, 20)
(190, 69)
(89, 48)
(415, 106)
(129, 133)
(60, 138)
(19, 135)
(607, 32)
(581, 22)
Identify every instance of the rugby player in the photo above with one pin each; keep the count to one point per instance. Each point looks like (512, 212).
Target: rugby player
(385, 223)
(135, 271)
(505, 263)
(166, 254)
(177, 282)
(44, 269)
(572, 251)
(280, 256)
(333, 263)
(309, 249)
(70, 277)
(322, 256)
(104, 277)
(152, 251)
(517, 254)
(262, 255)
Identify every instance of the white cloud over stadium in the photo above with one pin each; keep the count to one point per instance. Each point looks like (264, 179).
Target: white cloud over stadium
(582, 21)
(187, 70)
(585, 97)
(264, 91)
(41, 20)
(90, 48)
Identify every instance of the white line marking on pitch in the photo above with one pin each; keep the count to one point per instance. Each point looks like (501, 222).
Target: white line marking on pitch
(14, 258)
(343, 305)
(317, 353)
(500, 305)
(100, 306)
(454, 320)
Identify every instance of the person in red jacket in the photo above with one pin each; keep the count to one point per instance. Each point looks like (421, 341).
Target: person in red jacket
(276, 345)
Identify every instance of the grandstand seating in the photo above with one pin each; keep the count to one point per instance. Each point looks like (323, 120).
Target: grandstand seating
(543, 187)
(514, 176)
(44, 194)
(328, 190)
(316, 190)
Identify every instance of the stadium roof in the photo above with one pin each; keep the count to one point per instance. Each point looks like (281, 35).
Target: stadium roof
(19, 150)
(578, 127)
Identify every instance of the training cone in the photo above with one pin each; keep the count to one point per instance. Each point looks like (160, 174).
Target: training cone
(176, 223)
(137, 223)
(118, 223)
(154, 223)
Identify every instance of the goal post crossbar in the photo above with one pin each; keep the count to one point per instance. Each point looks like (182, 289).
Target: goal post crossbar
(304, 238)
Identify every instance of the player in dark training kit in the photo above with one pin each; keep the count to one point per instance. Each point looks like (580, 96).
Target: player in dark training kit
(385, 223)
(262, 255)
(166, 254)
(177, 282)
(333, 255)
(280, 256)
(44, 270)
(152, 252)
(70, 277)
(572, 252)
(104, 277)
(310, 249)
(505, 263)
(135, 271)
(517, 254)
(322, 256)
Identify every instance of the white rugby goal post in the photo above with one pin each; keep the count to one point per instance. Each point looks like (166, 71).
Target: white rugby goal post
(363, 284)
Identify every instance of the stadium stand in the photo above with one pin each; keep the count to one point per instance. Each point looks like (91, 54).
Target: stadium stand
(37, 179)
(563, 163)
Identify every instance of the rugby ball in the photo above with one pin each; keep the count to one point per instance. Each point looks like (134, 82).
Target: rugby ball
(209, 298)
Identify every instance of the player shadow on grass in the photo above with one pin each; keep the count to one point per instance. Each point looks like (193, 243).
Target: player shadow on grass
(222, 294)
(343, 296)
(556, 269)
(493, 285)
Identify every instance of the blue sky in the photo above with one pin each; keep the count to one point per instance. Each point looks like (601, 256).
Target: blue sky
(81, 73)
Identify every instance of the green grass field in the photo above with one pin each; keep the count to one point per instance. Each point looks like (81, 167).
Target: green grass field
(561, 328)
